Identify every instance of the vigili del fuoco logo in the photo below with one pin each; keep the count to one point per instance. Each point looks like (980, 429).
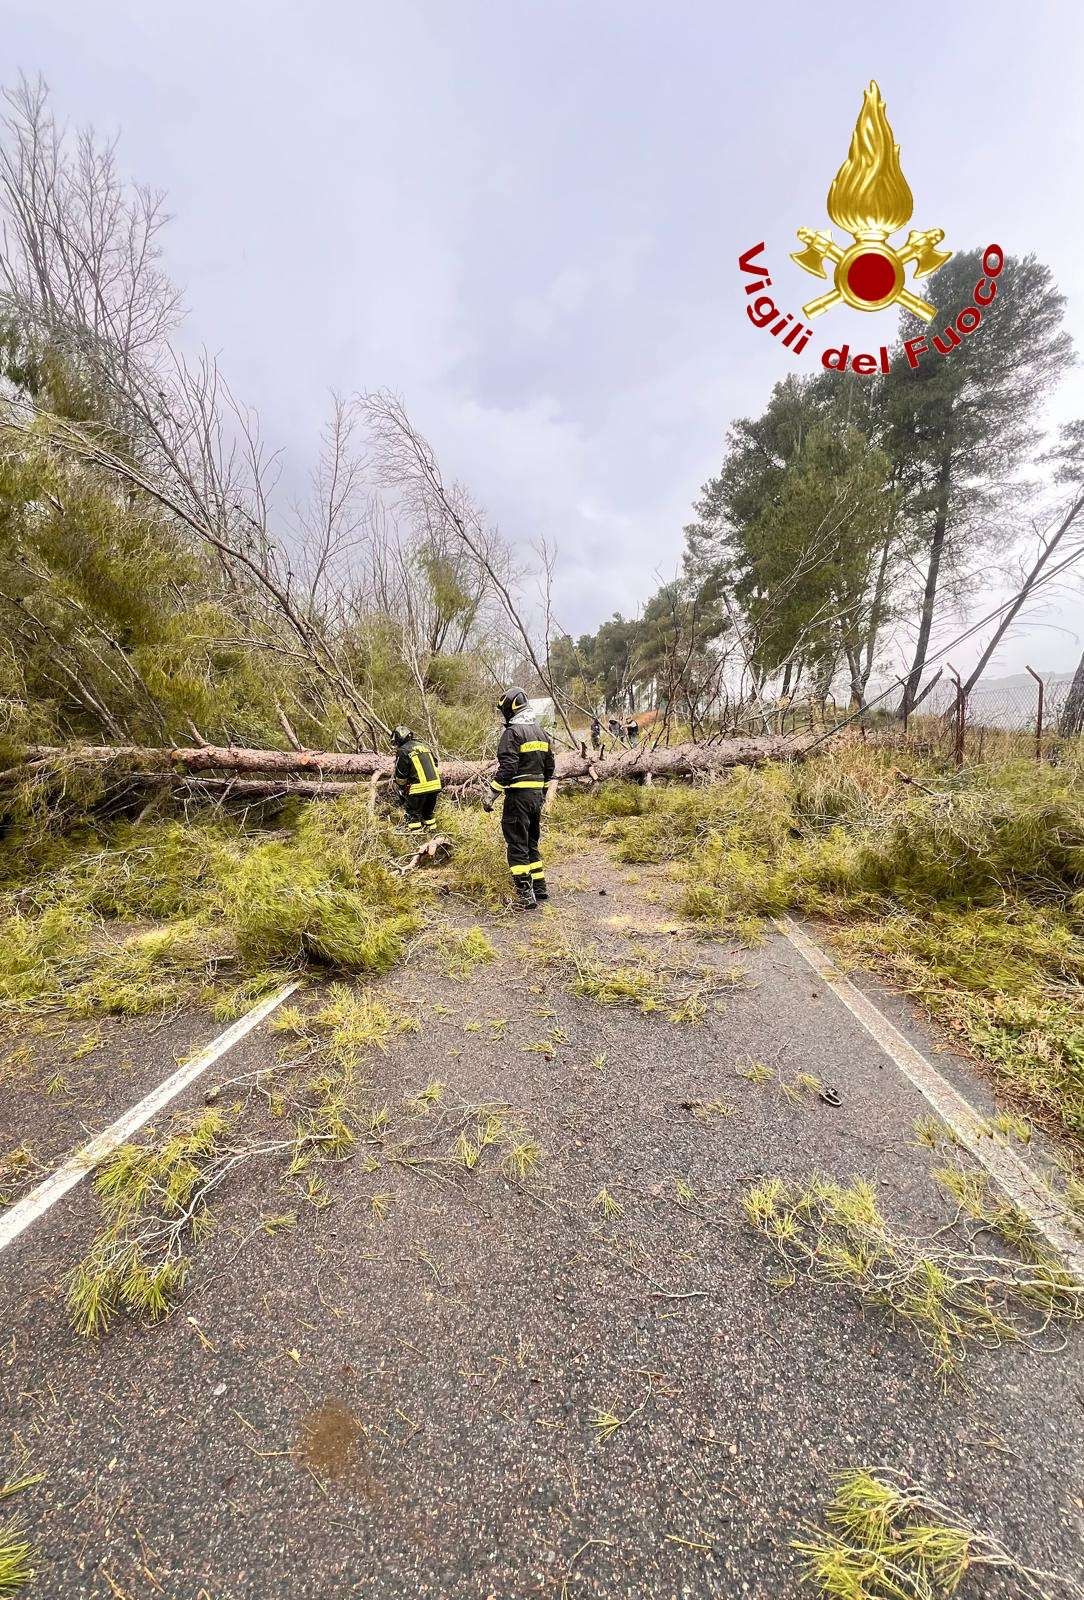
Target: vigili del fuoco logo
(871, 200)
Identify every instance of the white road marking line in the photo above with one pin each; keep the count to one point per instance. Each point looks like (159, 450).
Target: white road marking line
(1023, 1186)
(76, 1167)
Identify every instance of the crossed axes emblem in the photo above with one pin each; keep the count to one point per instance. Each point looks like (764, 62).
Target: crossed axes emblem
(856, 263)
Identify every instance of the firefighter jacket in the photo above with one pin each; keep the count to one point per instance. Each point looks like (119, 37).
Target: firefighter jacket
(416, 769)
(524, 756)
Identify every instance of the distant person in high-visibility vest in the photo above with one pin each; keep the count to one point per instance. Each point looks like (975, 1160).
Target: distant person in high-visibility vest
(417, 780)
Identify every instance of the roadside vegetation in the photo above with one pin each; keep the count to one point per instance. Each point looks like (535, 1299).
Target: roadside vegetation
(129, 917)
(965, 888)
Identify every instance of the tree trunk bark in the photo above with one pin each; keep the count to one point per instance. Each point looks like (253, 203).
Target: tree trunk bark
(854, 670)
(873, 627)
(318, 770)
(1072, 713)
(221, 788)
(933, 572)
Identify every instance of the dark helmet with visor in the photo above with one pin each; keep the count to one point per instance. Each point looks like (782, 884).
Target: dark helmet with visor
(514, 700)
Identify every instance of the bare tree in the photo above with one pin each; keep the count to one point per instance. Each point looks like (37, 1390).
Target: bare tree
(407, 462)
(333, 523)
(82, 283)
(81, 258)
(1069, 454)
(80, 272)
(1048, 544)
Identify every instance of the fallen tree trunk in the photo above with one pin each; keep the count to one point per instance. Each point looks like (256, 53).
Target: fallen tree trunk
(313, 772)
(242, 788)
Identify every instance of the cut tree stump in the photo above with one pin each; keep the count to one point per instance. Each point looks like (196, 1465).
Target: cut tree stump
(432, 852)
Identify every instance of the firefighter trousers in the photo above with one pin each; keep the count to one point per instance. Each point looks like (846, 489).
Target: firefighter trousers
(419, 809)
(521, 824)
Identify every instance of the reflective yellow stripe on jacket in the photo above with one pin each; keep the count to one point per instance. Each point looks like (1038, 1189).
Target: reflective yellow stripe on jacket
(524, 783)
(424, 785)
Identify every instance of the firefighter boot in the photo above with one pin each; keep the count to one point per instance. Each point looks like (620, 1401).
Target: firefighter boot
(525, 894)
(538, 883)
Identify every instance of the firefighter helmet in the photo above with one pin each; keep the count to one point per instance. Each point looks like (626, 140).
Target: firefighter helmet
(400, 735)
(514, 700)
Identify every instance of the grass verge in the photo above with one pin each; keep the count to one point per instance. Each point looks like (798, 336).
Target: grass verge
(228, 909)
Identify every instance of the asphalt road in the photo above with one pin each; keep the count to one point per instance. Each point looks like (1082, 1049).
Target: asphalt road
(402, 1405)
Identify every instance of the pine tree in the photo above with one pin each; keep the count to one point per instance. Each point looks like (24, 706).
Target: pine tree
(961, 426)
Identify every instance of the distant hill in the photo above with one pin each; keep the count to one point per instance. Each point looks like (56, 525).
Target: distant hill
(1022, 680)
(1010, 702)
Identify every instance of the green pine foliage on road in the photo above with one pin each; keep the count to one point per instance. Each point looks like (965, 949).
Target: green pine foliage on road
(128, 918)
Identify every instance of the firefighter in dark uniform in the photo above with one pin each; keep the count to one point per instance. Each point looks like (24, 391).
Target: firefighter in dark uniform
(417, 779)
(524, 767)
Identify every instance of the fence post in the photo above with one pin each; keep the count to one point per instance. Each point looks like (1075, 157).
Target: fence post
(1038, 715)
(961, 703)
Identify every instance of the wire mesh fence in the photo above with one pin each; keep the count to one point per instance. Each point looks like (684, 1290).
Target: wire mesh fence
(1013, 708)
(1019, 716)
(994, 719)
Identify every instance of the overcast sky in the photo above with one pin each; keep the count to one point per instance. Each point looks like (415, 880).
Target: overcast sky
(525, 217)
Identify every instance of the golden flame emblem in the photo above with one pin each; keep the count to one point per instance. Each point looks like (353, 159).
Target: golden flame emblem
(870, 199)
